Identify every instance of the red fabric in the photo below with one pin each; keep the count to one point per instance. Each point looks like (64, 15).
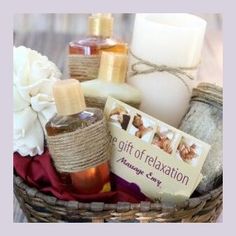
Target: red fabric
(40, 173)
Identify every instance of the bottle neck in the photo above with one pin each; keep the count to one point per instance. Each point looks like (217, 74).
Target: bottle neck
(101, 37)
(72, 113)
(99, 34)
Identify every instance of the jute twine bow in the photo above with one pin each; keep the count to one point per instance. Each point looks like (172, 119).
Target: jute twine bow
(176, 71)
(81, 149)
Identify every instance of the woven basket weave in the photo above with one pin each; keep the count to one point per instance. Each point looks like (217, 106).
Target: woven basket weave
(39, 207)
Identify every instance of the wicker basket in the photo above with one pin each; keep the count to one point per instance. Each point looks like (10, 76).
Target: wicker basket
(39, 207)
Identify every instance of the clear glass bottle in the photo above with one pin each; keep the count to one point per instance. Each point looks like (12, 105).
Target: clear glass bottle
(84, 54)
(72, 114)
(111, 82)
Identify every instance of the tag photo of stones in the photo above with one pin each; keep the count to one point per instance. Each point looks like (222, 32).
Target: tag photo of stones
(119, 116)
(188, 151)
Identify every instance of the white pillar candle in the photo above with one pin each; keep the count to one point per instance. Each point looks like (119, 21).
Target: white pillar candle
(174, 40)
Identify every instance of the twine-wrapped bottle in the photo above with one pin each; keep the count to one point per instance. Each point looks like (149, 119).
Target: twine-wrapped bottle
(84, 54)
(111, 82)
(204, 121)
(78, 140)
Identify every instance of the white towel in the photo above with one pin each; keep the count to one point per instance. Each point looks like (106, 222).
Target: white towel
(34, 76)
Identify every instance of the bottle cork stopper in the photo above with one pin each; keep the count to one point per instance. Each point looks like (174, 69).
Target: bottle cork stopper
(100, 24)
(68, 97)
(113, 67)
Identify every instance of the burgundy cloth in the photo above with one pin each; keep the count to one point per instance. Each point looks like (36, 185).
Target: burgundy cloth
(40, 173)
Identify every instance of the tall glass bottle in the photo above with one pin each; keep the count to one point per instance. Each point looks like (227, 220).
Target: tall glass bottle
(84, 54)
(73, 115)
(111, 82)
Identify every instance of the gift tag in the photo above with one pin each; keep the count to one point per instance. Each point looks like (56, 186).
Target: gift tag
(157, 157)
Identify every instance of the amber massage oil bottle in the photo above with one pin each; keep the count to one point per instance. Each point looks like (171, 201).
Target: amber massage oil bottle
(78, 140)
(84, 54)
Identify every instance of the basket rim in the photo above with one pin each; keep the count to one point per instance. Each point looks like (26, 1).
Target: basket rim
(52, 200)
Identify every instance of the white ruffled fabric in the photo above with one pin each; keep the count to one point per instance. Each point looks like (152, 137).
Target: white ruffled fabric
(34, 76)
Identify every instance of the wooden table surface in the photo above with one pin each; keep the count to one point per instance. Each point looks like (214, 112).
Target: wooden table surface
(54, 46)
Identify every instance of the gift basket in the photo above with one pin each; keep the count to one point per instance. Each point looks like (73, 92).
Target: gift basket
(39, 207)
(65, 155)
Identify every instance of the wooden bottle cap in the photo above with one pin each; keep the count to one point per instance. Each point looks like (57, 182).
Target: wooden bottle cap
(68, 97)
(100, 25)
(113, 67)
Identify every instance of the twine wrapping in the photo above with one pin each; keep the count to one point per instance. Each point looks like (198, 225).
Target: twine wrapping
(84, 67)
(208, 93)
(81, 149)
(100, 102)
(178, 72)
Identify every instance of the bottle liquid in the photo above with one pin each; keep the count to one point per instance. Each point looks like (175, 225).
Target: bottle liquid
(111, 82)
(84, 54)
(72, 115)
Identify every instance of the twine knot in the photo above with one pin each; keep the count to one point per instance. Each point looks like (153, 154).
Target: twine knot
(178, 72)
